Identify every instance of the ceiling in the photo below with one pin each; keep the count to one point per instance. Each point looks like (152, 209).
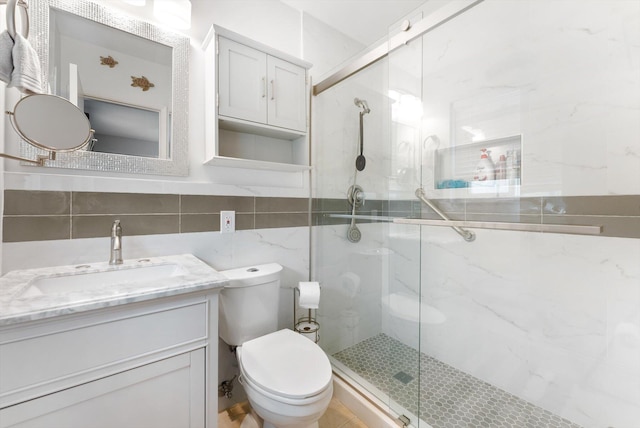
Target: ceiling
(365, 21)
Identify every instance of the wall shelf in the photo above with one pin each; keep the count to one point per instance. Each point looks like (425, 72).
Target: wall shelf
(231, 162)
(454, 167)
(247, 127)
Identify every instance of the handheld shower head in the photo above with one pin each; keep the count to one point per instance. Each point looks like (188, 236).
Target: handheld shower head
(362, 104)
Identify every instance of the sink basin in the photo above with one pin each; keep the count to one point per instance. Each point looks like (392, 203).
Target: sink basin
(82, 280)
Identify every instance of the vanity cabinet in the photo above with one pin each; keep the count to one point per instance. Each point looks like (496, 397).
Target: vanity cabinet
(150, 364)
(165, 394)
(257, 98)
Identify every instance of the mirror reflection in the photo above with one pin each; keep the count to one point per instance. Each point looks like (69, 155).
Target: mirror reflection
(121, 81)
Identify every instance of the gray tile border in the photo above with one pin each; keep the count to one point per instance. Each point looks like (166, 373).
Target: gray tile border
(124, 203)
(282, 205)
(191, 223)
(610, 205)
(35, 228)
(245, 221)
(208, 204)
(28, 202)
(95, 226)
(618, 214)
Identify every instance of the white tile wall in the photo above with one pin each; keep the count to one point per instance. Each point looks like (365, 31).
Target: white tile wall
(554, 319)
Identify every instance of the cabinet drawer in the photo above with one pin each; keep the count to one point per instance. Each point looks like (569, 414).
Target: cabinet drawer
(58, 354)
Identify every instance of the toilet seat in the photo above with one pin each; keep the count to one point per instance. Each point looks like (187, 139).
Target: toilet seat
(285, 364)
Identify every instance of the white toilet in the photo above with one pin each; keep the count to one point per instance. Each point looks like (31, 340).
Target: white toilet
(286, 376)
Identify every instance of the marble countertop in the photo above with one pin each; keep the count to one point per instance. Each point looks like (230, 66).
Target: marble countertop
(21, 300)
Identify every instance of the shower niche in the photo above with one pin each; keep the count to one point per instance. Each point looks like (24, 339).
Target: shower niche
(257, 98)
(484, 152)
(457, 166)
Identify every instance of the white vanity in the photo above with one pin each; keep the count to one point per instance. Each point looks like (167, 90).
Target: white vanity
(131, 345)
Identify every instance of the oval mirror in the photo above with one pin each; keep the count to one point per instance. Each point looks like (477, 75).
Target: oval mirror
(51, 123)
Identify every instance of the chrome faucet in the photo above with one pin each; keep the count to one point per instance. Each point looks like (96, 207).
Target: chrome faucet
(116, 244)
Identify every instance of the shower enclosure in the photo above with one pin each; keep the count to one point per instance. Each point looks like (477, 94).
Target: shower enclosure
(535, 320)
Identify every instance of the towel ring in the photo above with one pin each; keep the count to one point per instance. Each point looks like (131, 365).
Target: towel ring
(12, 5)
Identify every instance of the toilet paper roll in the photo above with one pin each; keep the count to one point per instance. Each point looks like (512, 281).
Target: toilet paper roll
(309, 294)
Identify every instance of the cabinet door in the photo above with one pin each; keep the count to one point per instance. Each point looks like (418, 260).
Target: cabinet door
(166, 394)
(242, 81)
(287, 100)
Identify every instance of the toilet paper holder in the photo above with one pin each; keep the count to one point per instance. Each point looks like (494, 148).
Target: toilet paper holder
(306, 325)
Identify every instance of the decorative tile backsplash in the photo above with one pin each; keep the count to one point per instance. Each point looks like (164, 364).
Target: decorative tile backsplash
(50, 215)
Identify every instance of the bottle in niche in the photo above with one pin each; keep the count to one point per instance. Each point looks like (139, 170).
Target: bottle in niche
(485, 170)
(513, 166)
(501, 168)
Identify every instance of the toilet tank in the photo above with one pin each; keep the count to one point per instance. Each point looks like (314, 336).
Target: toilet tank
(249, 303)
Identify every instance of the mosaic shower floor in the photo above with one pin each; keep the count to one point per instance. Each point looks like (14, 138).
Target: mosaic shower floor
(446, 397)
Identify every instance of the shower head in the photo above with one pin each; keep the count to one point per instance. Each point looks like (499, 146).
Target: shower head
(362, 104)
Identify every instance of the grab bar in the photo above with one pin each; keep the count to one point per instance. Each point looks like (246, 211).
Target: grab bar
(522, 227)
(518, 227)
(466, 235)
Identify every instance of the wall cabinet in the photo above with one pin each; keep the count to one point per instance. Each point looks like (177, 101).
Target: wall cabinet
(138, 365)
(261, 88)
(257, 98)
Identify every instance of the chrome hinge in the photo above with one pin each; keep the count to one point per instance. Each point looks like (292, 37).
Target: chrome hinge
(405, 421)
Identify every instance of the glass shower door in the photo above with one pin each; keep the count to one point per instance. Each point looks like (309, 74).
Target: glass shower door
(402, 305)
(368, 313)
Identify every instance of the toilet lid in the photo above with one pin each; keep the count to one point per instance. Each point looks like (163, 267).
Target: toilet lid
(287, 364)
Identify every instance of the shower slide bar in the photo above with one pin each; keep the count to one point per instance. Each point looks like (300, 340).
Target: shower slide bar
(433, 20)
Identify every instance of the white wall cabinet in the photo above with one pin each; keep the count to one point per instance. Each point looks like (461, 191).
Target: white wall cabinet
(151, 364)
(261, 88)
(258, 99)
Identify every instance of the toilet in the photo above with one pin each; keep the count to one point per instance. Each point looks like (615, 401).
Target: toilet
(287, 377)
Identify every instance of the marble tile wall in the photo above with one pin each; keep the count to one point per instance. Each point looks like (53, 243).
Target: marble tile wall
(552, 318)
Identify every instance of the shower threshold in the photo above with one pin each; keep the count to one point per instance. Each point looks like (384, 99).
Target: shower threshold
(440, 395)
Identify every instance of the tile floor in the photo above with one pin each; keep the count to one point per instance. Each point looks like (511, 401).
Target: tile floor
(336, 416)
(439, 394)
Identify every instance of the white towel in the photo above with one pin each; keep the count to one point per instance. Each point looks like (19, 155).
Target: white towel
(26, 67)
(6, 58)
